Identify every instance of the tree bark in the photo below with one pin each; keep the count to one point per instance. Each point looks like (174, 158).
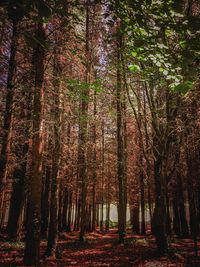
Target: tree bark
(120, 146)
(8, 105)
(135, 213)
(142, 203)
(160, 212)
(17, 201)
(32, 243)
(53, 223)
(46, 202)
(82, 161)
(65, 209)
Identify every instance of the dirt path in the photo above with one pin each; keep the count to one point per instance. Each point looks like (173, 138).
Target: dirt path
(101, 250)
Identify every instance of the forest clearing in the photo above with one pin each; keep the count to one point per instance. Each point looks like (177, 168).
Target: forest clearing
(99, 133)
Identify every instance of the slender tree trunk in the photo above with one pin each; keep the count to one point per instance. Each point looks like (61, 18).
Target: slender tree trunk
(182, 212)
(107, 215)
(150, 207)
(65, 208)
(76, 211)
(83, 133)
(32, 244)
(102, 217)
(191, 173)
(94, 168)
(120, 146)
(142, 201)
(94, 207)
(53, 224)
(102, 179)
(78, 214)
(97, 214)
(46, 202)
(160, 212)
(168, 220)
(3, 209)
(60, 208)
(69, 213)
(176, 216)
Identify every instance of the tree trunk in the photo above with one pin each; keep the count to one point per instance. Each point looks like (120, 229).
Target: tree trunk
(53, 223)
(135, 213)
(32, 244)
(160, 212)
(17, 201)
(102, 217)
(60, 208)
(182, 212)
(107, 216)
(120, 146)
(94, 168)
(8, 106)
(176, 216)
(83, 133)
(65, 209)
(69, 212)
(142, 201)
(168, 219)
(97, 214)
(46, 202)
(150, 207)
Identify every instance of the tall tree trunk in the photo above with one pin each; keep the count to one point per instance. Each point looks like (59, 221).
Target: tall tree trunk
(19, 174)
(53, 224)
(102, 179)
(83, 133)
(120, 145)
(7, 119)
(94, 167)
(8, 105)
(32, 244)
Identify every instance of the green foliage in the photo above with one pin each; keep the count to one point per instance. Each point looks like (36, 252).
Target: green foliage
(162, 39)
(184, 87)
(134, 68)
(77, 88)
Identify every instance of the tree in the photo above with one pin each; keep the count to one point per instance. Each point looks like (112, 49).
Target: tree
(32, 249)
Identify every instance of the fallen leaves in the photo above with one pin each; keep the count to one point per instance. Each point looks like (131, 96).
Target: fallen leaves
(101, 249)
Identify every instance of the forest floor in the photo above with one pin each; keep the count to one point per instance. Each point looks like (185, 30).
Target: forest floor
(104, 250)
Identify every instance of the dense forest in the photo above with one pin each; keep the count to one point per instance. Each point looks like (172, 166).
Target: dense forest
(99, 132)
